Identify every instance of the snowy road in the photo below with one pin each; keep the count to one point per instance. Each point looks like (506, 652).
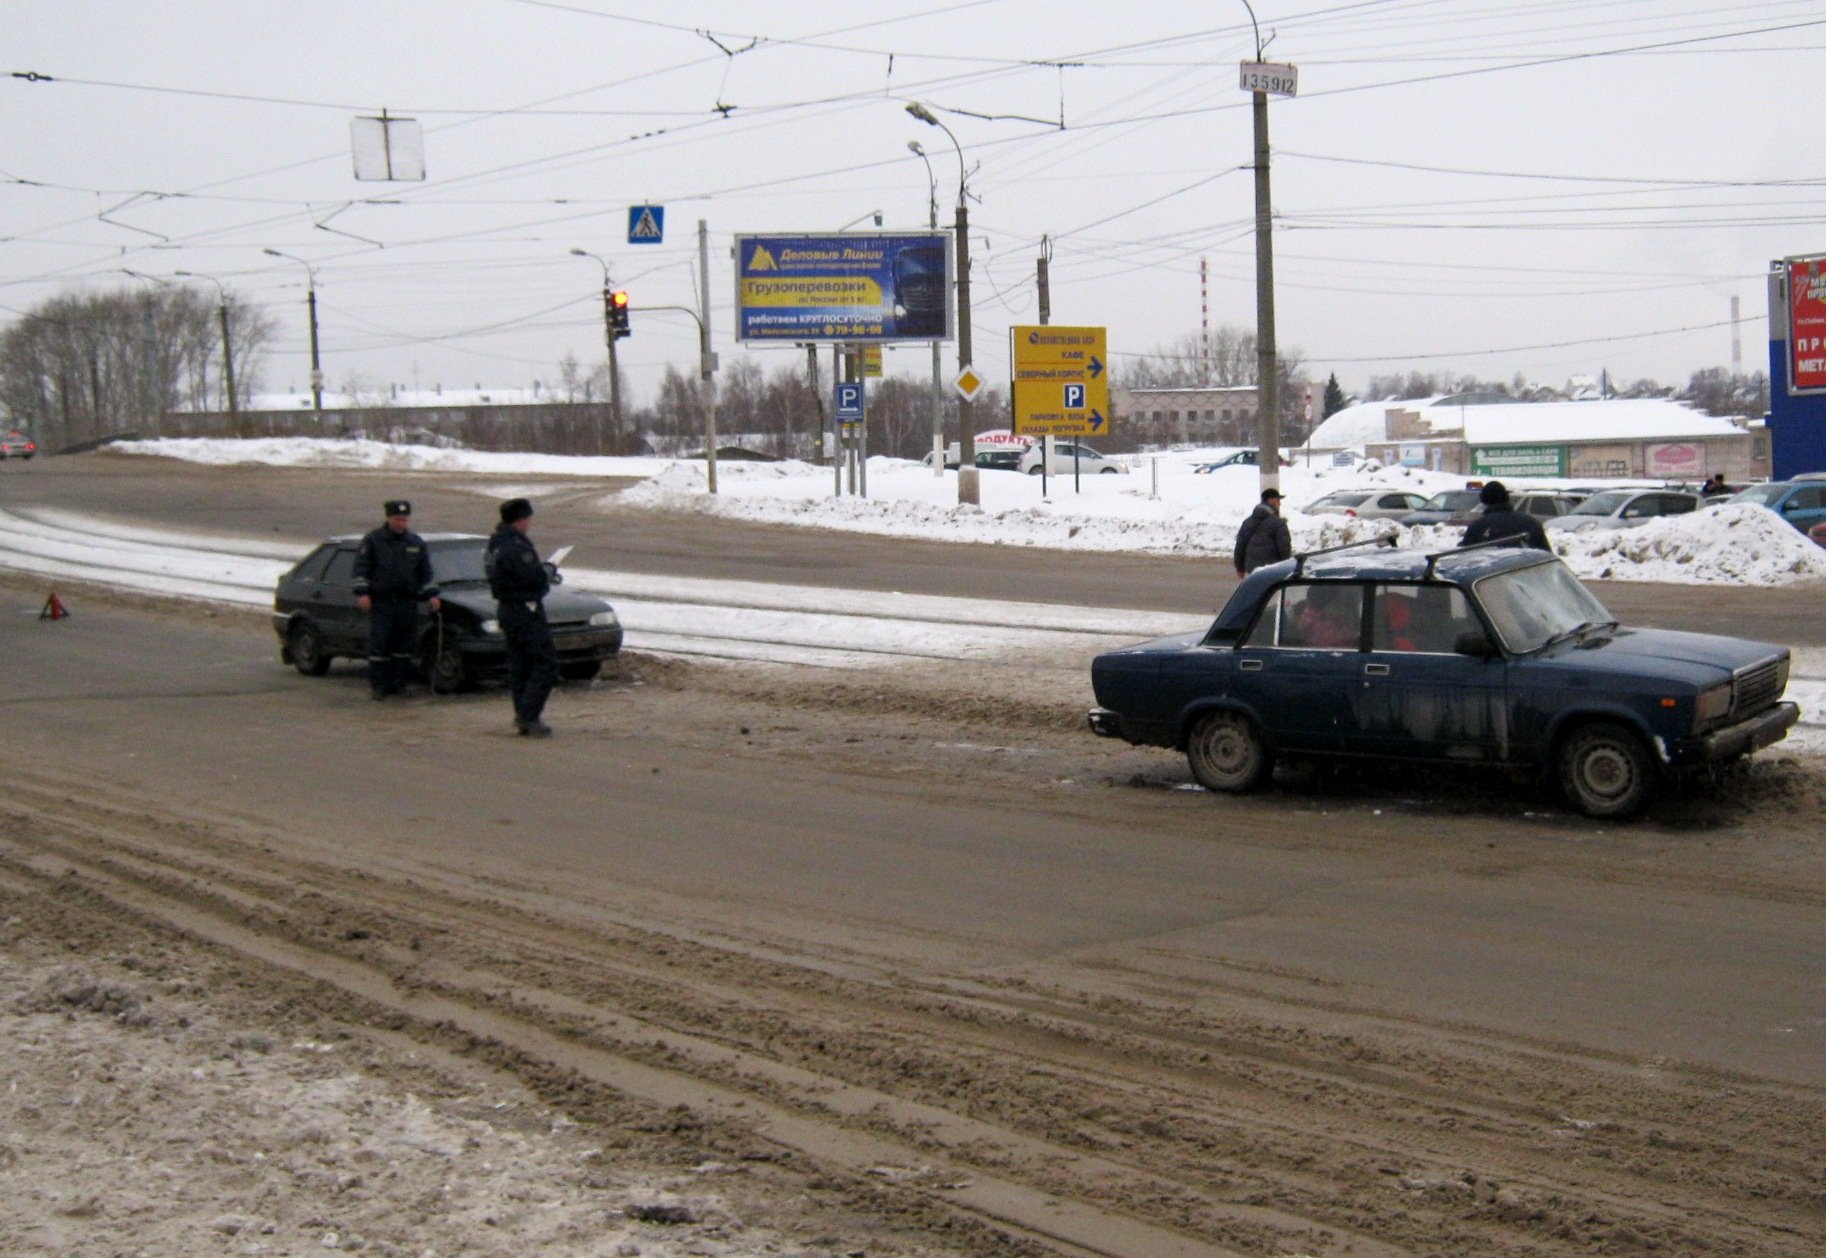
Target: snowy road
(672, 615)
(750, 620)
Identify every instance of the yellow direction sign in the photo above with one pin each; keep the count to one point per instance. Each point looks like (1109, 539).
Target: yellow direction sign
(1061, 381)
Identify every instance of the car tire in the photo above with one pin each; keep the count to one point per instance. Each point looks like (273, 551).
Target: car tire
(1606, 771)
(1227, 753)
(1035, 470)
(304, 645)
(446, 667)
(582, 670)
(1108, 471)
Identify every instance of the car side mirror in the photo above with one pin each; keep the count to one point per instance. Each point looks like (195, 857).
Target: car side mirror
(1475, 643)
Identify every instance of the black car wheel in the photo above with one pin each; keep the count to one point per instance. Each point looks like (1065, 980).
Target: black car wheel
(305, 646)
(445, 667)
(1606, 771)
(581, 670)
(1227, 753)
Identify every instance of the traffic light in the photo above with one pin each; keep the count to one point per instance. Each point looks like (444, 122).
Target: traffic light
(618, 314)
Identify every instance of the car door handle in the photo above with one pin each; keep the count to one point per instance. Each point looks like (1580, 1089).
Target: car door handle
(1250, 666)
(1376, 670)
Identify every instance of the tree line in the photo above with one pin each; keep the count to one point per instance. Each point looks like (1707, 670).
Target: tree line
(82, 367)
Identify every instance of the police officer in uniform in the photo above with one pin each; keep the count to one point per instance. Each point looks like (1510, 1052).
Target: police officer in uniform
(392, 574)
(518, 579)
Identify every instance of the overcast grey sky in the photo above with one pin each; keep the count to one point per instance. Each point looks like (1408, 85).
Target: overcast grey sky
(1552, 187)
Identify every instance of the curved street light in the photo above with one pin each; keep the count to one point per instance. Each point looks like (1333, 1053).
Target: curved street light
(609, 338)
(938, 395)
(311, 300)
(967, 491)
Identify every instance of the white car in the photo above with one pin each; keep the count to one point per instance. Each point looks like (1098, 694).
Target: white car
(1373, 504)
(1067, 453)
(1622, 509)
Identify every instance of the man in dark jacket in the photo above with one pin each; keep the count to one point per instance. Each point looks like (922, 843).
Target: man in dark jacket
(1500, 519)
(1263, 539)
(518, 580)
(392, 575)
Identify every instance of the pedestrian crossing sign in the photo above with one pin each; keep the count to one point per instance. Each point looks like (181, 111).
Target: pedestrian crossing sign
(646, 224)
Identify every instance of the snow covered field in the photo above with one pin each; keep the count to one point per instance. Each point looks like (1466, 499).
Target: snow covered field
(1162, 507)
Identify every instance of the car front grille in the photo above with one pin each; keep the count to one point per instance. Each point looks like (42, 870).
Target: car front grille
(1759, 685)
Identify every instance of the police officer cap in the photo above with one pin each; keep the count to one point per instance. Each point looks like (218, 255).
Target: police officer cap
(516, 509)
(1494, 494)
(399, 506)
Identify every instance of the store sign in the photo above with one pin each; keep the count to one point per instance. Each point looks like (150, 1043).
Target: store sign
(1807, 324)
(1676, 460)
(1518, 460)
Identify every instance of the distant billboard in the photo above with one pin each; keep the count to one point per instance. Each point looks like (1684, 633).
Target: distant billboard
(842, 286)
(1806, 324)
(1518, 460)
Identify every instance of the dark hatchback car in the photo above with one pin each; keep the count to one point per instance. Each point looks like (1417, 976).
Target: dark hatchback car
(1483, 655)
(315, 616)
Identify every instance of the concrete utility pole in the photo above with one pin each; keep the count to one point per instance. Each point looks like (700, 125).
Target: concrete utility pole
(1260, 79)
(311, 302)
(706, 359)
(228, 352)
(967, 490)
(609, 338)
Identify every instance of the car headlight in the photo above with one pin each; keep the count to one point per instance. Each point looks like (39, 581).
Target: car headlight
(602, 620)
(492, 628)
(1712, 705)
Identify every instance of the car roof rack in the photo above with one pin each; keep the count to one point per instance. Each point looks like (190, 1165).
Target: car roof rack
(1299, 560)
(1434, 558)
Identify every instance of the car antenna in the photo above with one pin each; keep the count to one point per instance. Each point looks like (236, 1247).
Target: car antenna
(1299, 560)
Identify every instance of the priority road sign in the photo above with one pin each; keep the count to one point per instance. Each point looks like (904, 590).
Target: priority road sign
(1061, 387)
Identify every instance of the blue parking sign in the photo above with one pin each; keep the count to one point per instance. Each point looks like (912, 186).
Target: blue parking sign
(849, 402)
(1074, 397)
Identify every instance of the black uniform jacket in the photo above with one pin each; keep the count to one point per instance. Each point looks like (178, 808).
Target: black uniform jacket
(393, 565)
(516, 574)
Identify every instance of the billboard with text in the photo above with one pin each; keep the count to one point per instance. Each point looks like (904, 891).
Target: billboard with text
(1806, 324)
(844, 286)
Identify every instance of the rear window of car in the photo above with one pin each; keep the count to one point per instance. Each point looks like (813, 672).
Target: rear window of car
(1450, 500)
(310, 568)
(1325, 616)
(1602, 504)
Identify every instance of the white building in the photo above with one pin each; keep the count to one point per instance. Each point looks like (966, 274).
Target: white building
(1481, 435)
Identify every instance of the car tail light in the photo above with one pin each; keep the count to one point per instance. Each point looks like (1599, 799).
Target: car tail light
(1350, 511)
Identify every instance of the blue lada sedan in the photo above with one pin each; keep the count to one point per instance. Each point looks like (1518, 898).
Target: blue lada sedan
(1484, 655)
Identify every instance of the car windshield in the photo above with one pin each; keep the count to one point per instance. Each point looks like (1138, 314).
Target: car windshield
(1604, 504)
(1529, 606)
(1450, 500)
(1761, 495)
(1341, 498)
(453, 563)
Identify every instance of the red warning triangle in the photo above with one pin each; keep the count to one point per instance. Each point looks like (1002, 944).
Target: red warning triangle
(54, 609)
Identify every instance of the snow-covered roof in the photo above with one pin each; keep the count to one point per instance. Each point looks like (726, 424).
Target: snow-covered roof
(1614, 419)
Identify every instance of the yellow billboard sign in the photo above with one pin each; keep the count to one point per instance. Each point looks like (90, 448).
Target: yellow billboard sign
(1061, 381)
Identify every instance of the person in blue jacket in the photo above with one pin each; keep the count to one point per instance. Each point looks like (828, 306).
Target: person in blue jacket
(518, 579)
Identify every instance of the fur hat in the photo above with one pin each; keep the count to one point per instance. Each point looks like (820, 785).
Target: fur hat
(516, 509)
(1494, 494)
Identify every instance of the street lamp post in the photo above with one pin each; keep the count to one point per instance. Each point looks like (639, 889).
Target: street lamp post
(938, 397)
(609, 338)
(966, 413)
(228, 353)
(311, 301)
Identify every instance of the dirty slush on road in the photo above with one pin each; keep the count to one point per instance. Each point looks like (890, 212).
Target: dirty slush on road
(216, 1043)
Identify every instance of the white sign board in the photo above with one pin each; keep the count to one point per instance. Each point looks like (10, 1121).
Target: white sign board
(1270, 77)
